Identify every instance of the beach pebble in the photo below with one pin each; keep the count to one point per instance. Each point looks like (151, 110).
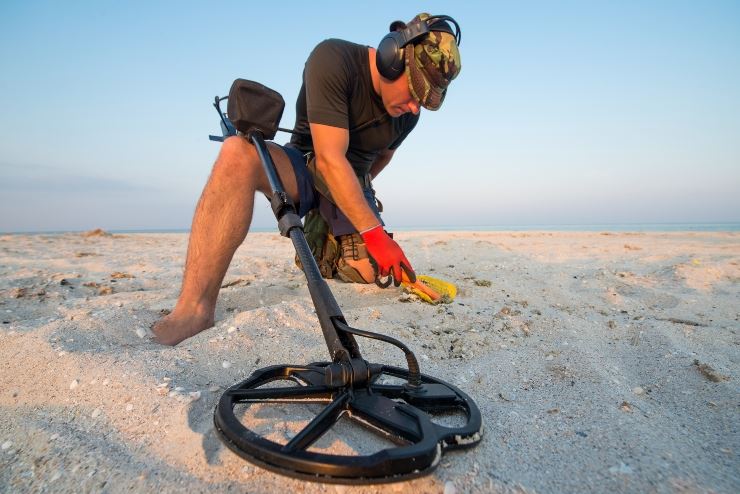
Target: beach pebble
(54, 437)
(638, 390)
(74, 384)
(225, 364)
(106, 382)
(56, 476)
(450, 488)
(621, 469)
(214, 389)
(231, 329)
(129, 407)
(506, 396)
(549, 357)
(6, 445)
(140, 332)
(96, 413)
(194, 395)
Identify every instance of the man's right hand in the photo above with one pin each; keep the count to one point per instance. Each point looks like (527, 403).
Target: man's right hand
(387, 255)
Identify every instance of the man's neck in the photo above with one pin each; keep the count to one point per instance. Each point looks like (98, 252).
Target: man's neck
(374, 74)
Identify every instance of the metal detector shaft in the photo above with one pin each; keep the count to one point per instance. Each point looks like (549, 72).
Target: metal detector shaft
(259, 143)
(341, 344)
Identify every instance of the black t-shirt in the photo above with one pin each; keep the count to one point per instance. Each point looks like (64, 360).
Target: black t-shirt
(338, 91)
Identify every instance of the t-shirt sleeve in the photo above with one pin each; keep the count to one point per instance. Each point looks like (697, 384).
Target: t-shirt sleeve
(410, 124)
(328, 84)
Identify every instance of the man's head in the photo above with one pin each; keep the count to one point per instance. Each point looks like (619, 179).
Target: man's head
(425, 51)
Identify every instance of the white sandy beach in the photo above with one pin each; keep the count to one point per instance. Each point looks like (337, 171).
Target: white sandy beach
(601, 362)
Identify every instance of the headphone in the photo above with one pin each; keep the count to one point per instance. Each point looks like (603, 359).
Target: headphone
(389, 56)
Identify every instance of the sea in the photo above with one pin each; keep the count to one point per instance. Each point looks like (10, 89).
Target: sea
(596, 227)
(607, 227)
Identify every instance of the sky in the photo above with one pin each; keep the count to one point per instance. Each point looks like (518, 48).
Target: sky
(564, 112)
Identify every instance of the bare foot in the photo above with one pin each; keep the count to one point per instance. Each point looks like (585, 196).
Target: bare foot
(179, 326)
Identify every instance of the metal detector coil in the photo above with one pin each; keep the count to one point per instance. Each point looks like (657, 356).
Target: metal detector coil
(404, 407)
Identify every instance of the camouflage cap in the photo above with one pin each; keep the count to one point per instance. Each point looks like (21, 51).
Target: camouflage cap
(431, 64)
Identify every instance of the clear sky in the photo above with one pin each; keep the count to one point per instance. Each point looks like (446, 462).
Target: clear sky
(564, 112)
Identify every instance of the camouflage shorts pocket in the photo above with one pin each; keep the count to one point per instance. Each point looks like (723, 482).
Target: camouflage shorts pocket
(323, 245)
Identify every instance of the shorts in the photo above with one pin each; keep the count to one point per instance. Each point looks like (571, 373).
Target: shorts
(310, 199)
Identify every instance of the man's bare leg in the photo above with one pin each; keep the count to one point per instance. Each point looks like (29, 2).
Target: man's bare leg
(220, 225)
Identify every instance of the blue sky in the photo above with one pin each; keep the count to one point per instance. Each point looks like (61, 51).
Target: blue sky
(564, 112)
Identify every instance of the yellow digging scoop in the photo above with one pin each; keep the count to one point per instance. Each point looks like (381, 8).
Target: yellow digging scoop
(432, 290)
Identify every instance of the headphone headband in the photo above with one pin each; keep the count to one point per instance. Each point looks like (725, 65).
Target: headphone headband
(416, 30)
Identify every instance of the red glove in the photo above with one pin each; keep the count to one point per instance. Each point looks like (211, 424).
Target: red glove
(387, 255)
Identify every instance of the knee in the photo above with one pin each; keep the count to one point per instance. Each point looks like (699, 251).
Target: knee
(235, 145)
(237, 157)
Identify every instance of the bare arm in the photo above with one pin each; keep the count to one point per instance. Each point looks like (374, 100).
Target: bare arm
(330, 145)
(381, 161)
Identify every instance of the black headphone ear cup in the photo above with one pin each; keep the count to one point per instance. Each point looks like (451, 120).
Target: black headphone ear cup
(389, 57)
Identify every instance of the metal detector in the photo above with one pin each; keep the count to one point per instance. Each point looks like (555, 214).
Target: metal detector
(402, 406)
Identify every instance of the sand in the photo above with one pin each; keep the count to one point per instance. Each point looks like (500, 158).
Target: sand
(601, 362)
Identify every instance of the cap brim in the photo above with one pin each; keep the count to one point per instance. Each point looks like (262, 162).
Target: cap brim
(422, 90)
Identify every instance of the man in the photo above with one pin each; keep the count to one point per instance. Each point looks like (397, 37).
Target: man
(355, 107)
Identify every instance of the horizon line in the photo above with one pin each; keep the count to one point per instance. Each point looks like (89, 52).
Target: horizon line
(709, 226)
